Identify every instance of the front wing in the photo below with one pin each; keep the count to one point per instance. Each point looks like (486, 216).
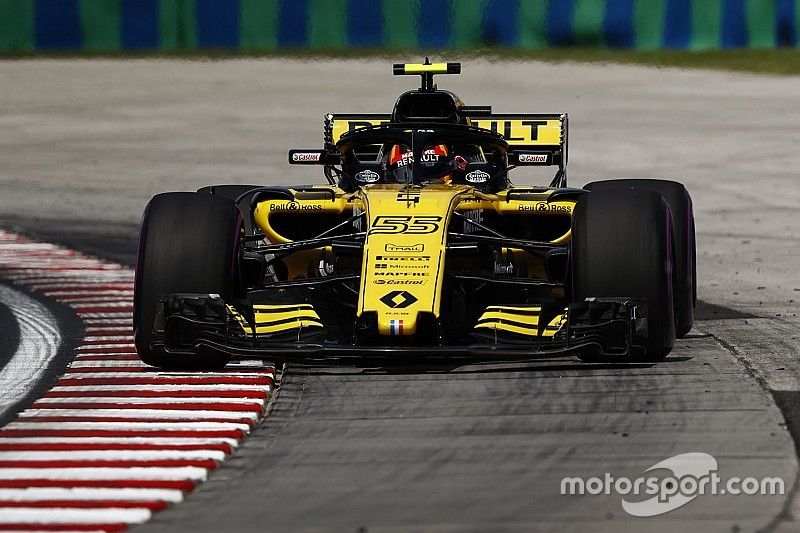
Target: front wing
(612, 328)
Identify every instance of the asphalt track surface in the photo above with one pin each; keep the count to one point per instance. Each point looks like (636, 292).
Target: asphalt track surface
(84, 144)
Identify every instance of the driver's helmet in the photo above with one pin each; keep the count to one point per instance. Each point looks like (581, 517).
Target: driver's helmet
(400, 162)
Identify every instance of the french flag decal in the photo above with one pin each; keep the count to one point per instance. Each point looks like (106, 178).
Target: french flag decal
(396, 327)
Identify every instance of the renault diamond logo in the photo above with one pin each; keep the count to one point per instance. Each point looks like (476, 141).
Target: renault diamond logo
(398, 299)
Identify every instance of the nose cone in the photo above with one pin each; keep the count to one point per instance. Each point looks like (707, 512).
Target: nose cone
(404, 254)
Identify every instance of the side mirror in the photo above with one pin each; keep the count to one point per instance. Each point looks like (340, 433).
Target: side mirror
(314, 157)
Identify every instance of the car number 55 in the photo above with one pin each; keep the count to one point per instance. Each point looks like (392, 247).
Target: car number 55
(389, 225)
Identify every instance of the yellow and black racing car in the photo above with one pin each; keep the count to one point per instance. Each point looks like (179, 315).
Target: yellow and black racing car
(419, 246)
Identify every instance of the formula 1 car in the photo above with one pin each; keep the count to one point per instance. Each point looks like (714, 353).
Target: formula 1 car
(418, 246)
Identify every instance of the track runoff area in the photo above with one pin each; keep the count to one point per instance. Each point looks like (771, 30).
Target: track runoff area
(113, 441)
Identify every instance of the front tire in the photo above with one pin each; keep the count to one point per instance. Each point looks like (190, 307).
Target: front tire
(622, 247)
(188, 243)
(680, 204)
(233, 192)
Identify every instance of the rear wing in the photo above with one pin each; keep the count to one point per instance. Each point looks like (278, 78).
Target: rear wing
(337, 124)
(533, 139)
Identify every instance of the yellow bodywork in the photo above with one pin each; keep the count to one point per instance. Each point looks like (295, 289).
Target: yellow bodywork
(406, 237)
(404, 254)
(522, 320)
(519, 132)
(271, 319)
(297, 263)
(524, 132)
(299, 207)
(419, 68)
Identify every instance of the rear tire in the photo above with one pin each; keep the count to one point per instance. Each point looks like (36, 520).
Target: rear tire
(188, 243)
(622, 247)
(680, 204)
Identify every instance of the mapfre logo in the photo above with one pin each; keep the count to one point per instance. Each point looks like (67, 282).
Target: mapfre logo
(404, 248)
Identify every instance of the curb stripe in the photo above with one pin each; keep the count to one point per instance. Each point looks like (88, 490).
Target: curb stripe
(193, 473)
(107, 528)
(88, 495)
(157, 388)
(166, 442)
(124, 455)
(85, 395)
(135, 415)
(212, 398)
(36, 517)
(114, 356)
(183, 485)
(101, 528)
(84, 446)
(236, 434)
(206, 409)
(131, 424)
(122, 421)
(111, 463)
(125, 371)
(155, 505)
(160, 379)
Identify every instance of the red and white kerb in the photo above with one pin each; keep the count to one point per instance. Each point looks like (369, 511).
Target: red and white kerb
(114, 440)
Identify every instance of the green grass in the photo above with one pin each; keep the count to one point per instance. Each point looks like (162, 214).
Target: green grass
(763, 61)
